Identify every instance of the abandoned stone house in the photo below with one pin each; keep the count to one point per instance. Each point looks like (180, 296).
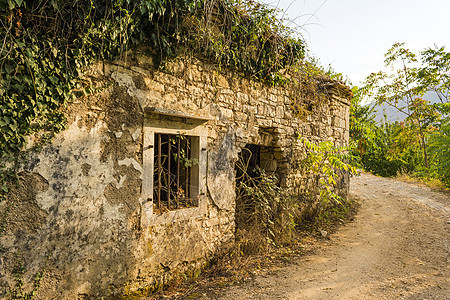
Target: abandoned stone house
(141, 184)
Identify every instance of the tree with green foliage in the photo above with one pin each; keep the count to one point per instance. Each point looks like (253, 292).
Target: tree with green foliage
(439, 146)
(362, 124)
(369, 141)
(404, 89)
(372, 142)
(434, 73)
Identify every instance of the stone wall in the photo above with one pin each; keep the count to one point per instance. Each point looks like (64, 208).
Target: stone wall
(84, 209)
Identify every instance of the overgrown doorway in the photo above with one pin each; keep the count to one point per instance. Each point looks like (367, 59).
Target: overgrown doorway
(260, 200)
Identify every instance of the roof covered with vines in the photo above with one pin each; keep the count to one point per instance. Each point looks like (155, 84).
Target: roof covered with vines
(46, 45)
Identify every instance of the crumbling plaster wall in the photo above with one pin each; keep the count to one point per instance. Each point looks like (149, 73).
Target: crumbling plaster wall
(79, 199)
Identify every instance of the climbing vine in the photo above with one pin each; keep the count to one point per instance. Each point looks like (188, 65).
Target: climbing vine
(46, 46)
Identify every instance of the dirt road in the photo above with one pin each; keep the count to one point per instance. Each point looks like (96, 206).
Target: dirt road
(397, 248)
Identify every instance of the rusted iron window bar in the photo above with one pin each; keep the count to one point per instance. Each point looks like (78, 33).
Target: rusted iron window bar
(172, 172)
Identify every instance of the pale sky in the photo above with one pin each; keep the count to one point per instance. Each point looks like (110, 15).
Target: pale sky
(354, 35)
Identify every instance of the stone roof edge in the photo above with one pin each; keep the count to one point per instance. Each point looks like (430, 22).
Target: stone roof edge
(339, 90)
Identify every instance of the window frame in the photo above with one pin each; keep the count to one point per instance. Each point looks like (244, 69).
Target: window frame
(172, 123)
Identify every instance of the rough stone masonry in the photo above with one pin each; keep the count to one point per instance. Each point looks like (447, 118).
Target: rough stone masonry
(104, 209)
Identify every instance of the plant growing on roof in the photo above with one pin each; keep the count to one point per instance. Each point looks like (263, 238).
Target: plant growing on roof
(47, 46)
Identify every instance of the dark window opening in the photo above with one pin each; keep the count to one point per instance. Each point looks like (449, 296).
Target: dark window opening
(248, 165)
(175, 177)
(252, 160)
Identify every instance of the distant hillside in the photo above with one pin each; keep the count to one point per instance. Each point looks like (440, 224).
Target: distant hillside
(393, 114)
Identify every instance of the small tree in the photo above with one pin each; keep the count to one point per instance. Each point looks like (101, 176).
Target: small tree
(404, 89)
(439, 146)
(434, 74)
(362, 124)
(323, 164)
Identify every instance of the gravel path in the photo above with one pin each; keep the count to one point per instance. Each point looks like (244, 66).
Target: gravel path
(397, 248)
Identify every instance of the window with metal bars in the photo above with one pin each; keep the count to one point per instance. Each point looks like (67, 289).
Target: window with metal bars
(175, 175)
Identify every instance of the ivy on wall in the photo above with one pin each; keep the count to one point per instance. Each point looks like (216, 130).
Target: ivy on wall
(45, 46)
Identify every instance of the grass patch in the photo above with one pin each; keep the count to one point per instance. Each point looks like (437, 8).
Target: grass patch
(430, 182)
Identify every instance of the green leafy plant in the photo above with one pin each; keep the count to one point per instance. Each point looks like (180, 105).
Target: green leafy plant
(268, 215)
(322, 167)
(398, 90)
(362, 125)
(439, 147)
(183, 156)
(403, 147)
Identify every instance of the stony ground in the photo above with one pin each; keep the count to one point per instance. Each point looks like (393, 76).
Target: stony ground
(396, 248)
